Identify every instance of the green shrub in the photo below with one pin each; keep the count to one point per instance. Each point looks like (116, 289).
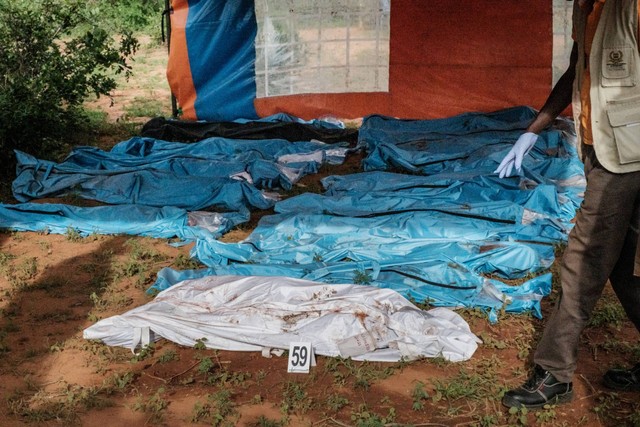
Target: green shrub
(56, 53)
(136, 15)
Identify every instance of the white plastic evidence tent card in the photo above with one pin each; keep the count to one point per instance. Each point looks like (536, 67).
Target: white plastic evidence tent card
(301, 357)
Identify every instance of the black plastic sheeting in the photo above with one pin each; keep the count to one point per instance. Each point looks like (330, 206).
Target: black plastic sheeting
(189, 131)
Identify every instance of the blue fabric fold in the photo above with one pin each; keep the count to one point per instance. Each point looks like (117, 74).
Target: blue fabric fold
(216, 172)
(138, 220)
(450, 233)
(441, 228)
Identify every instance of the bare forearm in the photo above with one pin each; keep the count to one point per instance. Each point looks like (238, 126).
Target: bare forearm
(558, 100)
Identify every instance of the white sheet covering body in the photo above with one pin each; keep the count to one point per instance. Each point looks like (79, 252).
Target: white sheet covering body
(252, 313)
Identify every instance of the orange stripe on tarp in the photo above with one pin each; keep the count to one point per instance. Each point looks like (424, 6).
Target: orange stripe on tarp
(178, 67)
(448, 58)
(312, 106)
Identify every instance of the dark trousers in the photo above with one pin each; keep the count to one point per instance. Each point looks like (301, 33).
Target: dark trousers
(602, 245)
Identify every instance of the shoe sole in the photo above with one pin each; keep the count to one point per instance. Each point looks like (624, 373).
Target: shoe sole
(510, 402)
(621, 387)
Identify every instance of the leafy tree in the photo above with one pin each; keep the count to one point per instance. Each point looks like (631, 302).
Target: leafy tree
(55, 54)
(139, 15)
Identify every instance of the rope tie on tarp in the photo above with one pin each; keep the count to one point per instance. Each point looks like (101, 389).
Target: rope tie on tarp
(165, 15)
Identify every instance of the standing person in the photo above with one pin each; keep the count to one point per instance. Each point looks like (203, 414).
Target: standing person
(603, 80)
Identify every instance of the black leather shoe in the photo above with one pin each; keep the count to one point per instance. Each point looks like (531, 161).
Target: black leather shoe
(542, 388)
(623, 379)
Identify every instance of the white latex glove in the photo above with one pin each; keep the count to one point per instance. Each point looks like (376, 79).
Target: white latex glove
(514, 157)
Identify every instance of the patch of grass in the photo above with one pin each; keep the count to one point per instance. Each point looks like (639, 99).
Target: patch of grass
(335, 402)
(487, 420)
(104, 352)
(613, 409)
(473, 313)
(200, 344)
(419, 396)
(145, 353)
(464, 385)
(227, 377)
(422, 305)
(295, 398)
(54, 286)
(216, 410)
(99, 131)
(437, 361)
(57, 316)
(61, 407)
(103, 257)
(20, 406)
(185, 262)
(365, 417)
(168, 356)
(214, 372)
(490, 342)
(263, 421)
(119, 382)
(73, 235)
(518, 416)
(145, 107)
(363, 374)
(482, 382)
(26, 269)
(546, 415)
(45, 246)
(634, 418)
(154, 406)
(97, 120)
(206, 366)
(20, 275)
(260, 376)
(615, 346)
(607, 313)
(5, 258)
(109, 300)
(524, 340)
(141, 263)
(606, 403)
(17, 235)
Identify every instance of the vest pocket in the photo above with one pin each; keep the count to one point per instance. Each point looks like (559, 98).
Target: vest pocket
(617, 66)
(625, 122)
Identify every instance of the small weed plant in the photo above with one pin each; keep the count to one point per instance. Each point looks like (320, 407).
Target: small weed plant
(217, 410)
(154, 406)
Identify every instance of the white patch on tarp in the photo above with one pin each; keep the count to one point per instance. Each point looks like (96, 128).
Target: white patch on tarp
(250, 313)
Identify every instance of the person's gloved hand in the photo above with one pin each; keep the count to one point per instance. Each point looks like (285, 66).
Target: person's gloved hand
(514, 157)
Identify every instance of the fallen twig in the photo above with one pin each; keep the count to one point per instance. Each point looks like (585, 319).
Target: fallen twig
(593, 390)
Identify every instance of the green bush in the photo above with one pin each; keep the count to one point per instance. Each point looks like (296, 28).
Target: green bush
(138, 15)
(56, 53)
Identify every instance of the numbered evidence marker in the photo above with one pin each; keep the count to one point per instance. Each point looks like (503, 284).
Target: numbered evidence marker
(301, 357)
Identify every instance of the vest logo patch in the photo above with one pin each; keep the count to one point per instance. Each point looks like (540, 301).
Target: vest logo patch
(615, 61)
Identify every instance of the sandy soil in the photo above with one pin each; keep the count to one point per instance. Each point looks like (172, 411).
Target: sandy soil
(53, 287)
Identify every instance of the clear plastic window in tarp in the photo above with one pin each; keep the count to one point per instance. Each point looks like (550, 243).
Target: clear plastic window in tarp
(562, 41)
(333, 46)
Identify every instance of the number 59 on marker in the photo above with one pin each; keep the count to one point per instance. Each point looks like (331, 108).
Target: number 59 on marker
(300, 355)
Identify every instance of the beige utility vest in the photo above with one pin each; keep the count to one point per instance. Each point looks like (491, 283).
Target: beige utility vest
(614, 64)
